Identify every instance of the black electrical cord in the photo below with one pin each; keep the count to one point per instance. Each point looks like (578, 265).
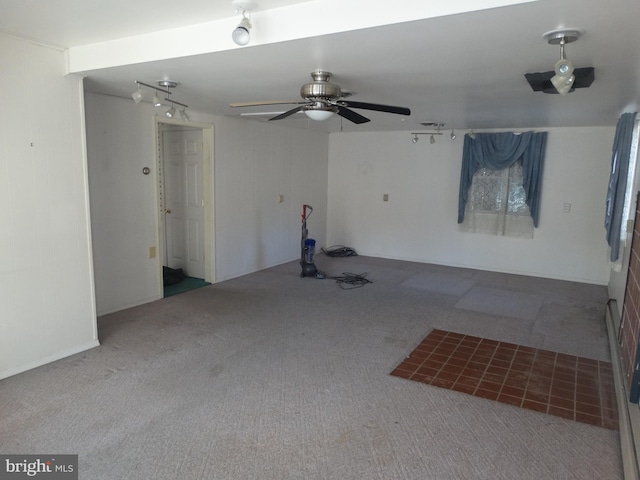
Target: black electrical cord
(352, 280)
(339, 251)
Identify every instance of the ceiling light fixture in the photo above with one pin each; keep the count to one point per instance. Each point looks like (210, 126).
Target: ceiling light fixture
(240, 34)
(432, 139)
(319, 112)
(453, 135)
(564, 78)
(164, 86)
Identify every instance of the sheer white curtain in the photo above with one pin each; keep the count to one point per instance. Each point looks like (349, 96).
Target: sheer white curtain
(497, 204)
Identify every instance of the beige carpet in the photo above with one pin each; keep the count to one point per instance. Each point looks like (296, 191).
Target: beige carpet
(272, 376)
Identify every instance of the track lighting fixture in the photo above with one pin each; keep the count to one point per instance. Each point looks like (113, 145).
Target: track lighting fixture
(240, 34)
(453, 135)
(163, 86)
(432, 138)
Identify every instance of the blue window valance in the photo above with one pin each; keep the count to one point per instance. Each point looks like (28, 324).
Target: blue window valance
(497, 151)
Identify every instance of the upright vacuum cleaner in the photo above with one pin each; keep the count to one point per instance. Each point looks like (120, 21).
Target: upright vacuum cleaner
(307, 248)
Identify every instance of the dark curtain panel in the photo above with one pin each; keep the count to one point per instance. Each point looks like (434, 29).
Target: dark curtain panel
(618, 182)
(498, 151)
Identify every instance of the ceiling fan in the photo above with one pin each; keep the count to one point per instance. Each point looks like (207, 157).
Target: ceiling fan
(321, 99)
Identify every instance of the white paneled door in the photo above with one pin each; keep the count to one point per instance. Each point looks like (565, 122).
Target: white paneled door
(184, 201)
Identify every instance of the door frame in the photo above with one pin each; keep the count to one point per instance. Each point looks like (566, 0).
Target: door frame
(208, 186)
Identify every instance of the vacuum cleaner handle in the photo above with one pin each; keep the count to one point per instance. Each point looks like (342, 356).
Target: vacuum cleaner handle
(304, 211)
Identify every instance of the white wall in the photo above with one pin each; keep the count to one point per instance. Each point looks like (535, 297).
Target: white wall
(254, 162)
(419, 222)
(120, 143)
(46, 278)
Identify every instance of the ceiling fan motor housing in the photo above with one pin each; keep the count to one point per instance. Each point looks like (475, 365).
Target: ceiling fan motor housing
(320, 88)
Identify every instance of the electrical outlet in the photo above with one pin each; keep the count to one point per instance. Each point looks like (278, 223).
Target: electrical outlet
(152, 252)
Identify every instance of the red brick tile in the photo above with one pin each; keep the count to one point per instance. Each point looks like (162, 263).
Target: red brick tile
(488, 394)
(562, 402)
(591, 419)
(537, 396)
(512, 391)
(561, 412)
(537, 406)
(515, 401)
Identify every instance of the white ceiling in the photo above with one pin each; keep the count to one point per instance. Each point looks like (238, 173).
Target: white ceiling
(462, 69)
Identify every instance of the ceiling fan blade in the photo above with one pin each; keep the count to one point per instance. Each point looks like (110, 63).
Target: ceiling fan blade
(268, 102)
(287, 113)
(351, 115)
(375, 106)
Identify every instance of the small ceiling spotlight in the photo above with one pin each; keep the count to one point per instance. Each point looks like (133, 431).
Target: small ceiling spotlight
(240, 34)
(156, 100)
(453, 135)
(183, 115)
(432, 140)
(171, 112)
(137, 95)
(415, 138)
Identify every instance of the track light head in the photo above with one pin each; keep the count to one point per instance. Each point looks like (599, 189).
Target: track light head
(241, 35)
(171, 112)
(453, 135)
(432, 140)
(415, 138)
(137, 95)
(156, 100)
(183, 115)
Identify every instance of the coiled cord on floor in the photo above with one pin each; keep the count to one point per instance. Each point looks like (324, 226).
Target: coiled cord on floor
(352, 280)
(339, 251)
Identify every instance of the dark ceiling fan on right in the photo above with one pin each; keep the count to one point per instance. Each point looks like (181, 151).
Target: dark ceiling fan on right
(322, 99)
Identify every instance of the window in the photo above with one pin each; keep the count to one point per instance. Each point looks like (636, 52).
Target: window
(497, 204)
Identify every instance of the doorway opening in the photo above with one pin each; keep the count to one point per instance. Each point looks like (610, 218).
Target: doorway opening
(186, 257)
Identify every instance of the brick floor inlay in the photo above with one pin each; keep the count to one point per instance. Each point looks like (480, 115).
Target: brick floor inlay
(567, 386)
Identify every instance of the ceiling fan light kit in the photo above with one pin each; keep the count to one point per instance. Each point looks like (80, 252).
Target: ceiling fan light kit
(322, 99)
(564, 78)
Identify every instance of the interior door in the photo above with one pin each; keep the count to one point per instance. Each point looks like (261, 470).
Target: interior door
(184, 201)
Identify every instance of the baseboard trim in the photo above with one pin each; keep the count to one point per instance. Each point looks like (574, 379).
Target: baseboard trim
(48, 359)
(628, 412)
